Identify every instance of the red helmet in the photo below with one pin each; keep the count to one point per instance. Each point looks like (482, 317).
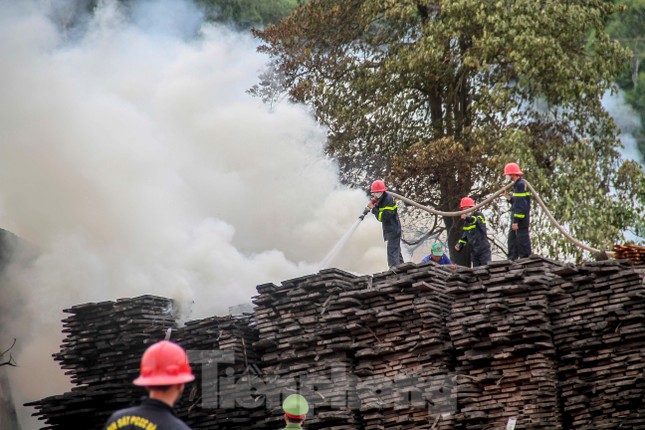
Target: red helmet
(164, 363)
(378, 186)
(466, 202)
(512, 169)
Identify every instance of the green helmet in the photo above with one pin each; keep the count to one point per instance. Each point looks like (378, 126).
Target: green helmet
(295, 406)
(437, 249)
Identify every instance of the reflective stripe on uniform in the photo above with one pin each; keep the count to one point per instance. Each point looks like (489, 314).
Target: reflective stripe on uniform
(520, 216)
(474, 224)
(385, 208)
(526, 194)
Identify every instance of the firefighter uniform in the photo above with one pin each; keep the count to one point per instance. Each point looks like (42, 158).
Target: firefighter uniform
(475, 234)
(519, 241)
(164, 371)
(151, 414)
(385, 210)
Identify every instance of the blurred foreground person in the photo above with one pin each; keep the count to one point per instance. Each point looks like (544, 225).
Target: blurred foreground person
(295, 409)
(164, 371)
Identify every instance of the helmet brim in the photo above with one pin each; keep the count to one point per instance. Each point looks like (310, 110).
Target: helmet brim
(151, 381)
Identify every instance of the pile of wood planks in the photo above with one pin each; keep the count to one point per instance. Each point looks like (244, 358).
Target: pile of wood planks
(101, 354)
(506, 361)
(305, 346)
(219, 349)
(103, 349)
(631, 252)
(403, 356)
(378, 346)
(598, 319)
(549, 345)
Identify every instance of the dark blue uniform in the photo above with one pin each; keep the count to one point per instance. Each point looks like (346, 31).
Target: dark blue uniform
(475, 235)
(152, 414)
(519, 241)
(443, 261)
(385, 211)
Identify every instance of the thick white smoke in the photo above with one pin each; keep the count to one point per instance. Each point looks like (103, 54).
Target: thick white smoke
(133, 159)
(628, 123)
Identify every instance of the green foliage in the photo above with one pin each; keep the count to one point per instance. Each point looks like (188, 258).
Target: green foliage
(249, 13)
(628, 27)
(244, 14)
(436, 96)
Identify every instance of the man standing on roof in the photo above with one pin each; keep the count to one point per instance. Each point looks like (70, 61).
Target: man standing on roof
(384, 208)
(295, 409)
(164, 371)
(519, 240)
(474, 234)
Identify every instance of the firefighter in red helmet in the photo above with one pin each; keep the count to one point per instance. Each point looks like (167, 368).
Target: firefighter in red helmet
(474, 234)
(164, 371)
(384, 209)
(519, 240)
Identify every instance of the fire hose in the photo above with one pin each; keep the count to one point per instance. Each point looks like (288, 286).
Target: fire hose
(493, 197)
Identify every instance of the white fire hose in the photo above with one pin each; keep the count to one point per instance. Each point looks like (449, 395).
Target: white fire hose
(493, 197)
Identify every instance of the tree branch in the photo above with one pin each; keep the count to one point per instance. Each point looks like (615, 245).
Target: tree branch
(10, 361)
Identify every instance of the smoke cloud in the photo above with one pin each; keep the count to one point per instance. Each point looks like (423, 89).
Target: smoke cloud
(132, 159)
(628, 123)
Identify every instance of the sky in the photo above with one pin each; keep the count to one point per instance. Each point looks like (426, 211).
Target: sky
(134, 162)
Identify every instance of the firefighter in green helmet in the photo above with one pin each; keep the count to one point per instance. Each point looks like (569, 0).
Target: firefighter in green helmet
(295, 409)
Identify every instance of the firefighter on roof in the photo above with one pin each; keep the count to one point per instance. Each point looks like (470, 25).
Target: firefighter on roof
(519, 241)
(474, 234)
(384, 209)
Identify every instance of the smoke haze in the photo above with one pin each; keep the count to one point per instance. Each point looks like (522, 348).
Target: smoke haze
(628, 123)
(133, 160)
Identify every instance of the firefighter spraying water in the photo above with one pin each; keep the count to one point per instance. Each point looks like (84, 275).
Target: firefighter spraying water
(384, 208)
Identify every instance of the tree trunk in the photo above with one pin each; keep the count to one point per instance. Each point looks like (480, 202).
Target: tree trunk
(454, 227)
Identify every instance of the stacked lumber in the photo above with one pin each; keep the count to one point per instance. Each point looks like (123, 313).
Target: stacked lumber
(548, 345)
(101, 353)
(378, 347)
(220, 353)
(500, 329)
(305, 347)
(631, 252)
(598, 317)
(403, 354)
(103, 350)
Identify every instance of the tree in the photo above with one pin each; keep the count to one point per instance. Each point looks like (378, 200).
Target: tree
(628, 27)
(249, 13)
(436, 96)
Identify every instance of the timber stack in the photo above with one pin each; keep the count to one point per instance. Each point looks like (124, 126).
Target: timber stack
(304, 343)
(369, 352)
(631, 252)
(103, 350)
(101, 353)
(598, 319)
(548, 345)
(500, 329)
